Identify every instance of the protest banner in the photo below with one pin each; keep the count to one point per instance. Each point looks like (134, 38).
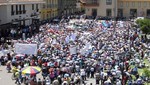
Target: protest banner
(73, 49)
(21, 48)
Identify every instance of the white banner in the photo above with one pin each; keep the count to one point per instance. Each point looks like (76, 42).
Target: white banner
(25, 48)
(73, 50)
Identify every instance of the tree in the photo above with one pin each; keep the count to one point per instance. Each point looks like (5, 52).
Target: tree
(144, 25)
(146, 73)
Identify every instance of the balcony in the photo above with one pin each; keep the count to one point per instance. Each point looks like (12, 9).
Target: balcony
(92, 3)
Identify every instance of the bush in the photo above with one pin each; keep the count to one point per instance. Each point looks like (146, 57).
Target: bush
(144, 25)
(146, 72)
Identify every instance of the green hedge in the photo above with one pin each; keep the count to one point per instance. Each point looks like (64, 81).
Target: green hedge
(144, 25)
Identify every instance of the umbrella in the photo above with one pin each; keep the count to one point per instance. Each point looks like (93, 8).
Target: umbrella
(31, 70)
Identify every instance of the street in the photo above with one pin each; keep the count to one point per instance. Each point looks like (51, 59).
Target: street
(5, 78)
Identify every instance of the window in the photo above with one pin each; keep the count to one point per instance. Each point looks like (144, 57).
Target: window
(145, 4)
(12, 10)
(44, 6)
(127, 4)
(37, 8)
(32, 6)
(108, 12)
(94, 12)
(24, 10)
(120, 12)
(139, 4)
(148, 12)
(121, 4)
(133, 12)
(133, 4)
(20, 12)
(108, 2)
(16, 9)
(95, 1)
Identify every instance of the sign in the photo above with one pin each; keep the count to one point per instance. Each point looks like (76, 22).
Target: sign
(73, 50)
(21, 48)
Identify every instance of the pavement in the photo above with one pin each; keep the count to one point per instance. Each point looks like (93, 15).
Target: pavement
(5, 78)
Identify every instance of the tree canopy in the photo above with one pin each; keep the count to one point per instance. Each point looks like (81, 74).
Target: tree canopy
(144, 25)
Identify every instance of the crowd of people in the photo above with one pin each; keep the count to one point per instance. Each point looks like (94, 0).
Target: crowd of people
(71, 53)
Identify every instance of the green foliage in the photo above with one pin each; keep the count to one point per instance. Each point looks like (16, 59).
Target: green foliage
(144, 25)
(146, 72)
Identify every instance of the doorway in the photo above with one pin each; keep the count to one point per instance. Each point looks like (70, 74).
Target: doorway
(133, 12)
(108, 12)
(94, 12)
(120, 12)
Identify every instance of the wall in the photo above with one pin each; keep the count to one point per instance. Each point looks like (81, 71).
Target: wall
(101, 9)
(27, 15)
(141, 6)
(3, 14)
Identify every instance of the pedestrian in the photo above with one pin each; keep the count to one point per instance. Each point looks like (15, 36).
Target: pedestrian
(97, 77)
(39, 82)
(92, 72)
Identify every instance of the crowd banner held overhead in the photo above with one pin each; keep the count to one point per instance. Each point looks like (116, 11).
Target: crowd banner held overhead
(73, 50)
(25, 48)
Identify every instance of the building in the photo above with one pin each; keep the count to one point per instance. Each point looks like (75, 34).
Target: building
(134, 8)
(117, 8)
(20, 12)
(49, 9)
(56, 8)
(66, 7)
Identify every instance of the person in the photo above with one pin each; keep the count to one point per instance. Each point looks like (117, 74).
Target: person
(55, 82)
(88, 71)
(17, 78)
(77, 79)
(72, 82)
(65, 82)
(118, 82)
(26, 81)
(0, 61)
(97, 77)
(47, 81)
(92, 72)
(83, 74)
(39, 82)
(8, 66)
(44, 81)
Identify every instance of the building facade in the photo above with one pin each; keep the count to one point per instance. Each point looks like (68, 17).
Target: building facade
(49, 9)
(20, 12)
(66, 7)
(117, 8)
